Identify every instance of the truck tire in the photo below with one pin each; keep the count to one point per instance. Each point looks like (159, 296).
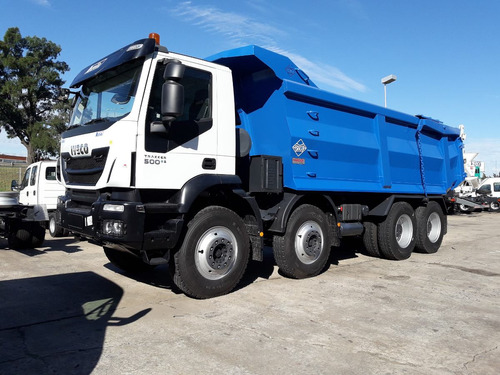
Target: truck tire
(494, 206)
(19, 237)
(54, 229)
(396, 234)
(430, 228)
(305, 248)
(370, 239)
(464, 209)
(126, 261)
(214, 254)
(37, 234)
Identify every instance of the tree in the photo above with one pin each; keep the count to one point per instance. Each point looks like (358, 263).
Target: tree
(31, 107)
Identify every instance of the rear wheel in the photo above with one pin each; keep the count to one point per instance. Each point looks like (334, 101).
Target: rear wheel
(396, 234)
(494, 206)
(19, 236)
(213, 255)
(464, 209)
(370, 239)
(37, 234)
(305, 248)
(430, 228)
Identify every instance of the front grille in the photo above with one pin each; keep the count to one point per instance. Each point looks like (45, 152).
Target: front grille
(86, 170)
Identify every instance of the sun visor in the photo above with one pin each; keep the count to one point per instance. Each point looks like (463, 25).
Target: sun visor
(130, 52)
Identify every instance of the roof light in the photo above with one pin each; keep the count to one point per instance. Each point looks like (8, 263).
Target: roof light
(156, 37)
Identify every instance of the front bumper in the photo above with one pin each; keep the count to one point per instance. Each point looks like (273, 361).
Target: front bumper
(140, 229)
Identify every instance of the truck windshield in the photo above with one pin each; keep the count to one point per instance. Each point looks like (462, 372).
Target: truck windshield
(108, 96)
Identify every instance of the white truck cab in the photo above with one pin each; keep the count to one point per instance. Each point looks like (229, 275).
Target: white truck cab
(40, 186)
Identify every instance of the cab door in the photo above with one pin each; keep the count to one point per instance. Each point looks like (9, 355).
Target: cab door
(188, 145)
(26, 190)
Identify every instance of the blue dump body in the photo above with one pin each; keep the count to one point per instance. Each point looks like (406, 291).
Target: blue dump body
(328, 142)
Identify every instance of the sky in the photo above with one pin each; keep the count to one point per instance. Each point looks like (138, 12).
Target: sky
(445, 53)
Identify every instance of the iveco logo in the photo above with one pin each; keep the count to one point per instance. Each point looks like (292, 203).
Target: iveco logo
(95, 66)
(80, 150)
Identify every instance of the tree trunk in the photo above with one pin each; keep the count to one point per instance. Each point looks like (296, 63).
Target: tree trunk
(32, 156)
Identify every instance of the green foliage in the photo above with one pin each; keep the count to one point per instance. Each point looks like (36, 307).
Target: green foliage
(31, 107)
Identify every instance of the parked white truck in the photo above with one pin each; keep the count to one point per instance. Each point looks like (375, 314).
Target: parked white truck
(31, 207)
(486, 194)
(40, 186)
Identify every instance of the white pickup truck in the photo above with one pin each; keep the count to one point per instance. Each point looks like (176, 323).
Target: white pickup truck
(40, 186)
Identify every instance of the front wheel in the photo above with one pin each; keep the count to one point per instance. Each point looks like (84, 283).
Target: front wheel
(54, 229)
(213, 255)
(305, 248)
(396, 234)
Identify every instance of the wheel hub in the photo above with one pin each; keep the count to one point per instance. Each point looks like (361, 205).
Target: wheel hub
(220, 253)
(216, 253)
(404, 231)
(433, 227)
(309, 242)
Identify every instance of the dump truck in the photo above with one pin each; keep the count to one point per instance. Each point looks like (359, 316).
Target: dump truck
(201, 163)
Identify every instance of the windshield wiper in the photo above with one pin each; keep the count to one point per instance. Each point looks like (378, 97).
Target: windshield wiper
(99, 119)
(73, 127)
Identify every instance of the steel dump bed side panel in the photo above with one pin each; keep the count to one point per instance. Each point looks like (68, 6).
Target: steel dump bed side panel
(328, 142)
(354, 146)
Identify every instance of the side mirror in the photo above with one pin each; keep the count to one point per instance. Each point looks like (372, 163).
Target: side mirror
(172, 101)
(172, 95)
(174, 71)
(14, 186)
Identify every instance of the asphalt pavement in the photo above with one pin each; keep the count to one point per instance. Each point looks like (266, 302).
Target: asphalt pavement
(64, 309)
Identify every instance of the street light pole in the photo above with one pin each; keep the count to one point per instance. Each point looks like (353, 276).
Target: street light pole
(385, 81)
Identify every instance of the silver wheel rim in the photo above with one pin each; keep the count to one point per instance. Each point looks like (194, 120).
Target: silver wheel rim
(216, 253)
(494, 206)
(433, 227)
(52, 225)
(404, 231)
(309, 242)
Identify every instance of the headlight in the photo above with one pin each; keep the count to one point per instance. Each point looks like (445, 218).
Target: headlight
(113, 227)
(114, 207)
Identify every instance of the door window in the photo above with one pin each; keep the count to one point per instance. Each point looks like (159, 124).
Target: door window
(26, 178)
(33, 175)
(196, 117)
(50, 173)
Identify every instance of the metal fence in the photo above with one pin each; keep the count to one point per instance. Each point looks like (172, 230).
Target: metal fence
(9, 172)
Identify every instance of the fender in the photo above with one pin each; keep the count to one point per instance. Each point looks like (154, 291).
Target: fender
(286, 207)
(194, 187)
